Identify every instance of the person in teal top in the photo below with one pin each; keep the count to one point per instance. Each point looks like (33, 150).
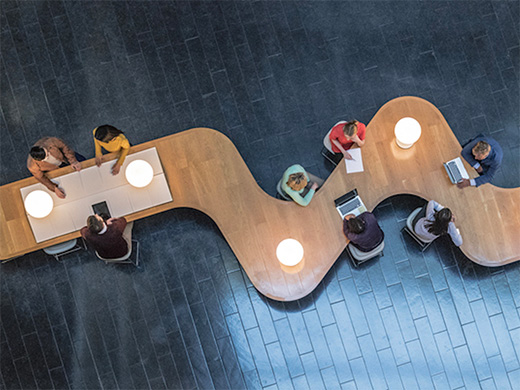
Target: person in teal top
(299, 185)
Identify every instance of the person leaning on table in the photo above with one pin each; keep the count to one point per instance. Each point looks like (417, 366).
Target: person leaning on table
(435, 220)
(297, 184)
(112, 140)
(107, 238)
(485, 155)
(344, 135)
(48, 154)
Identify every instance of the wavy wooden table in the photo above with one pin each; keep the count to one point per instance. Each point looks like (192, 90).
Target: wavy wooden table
(206, 172)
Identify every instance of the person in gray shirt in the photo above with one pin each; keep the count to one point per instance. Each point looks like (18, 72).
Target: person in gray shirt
(435, 220)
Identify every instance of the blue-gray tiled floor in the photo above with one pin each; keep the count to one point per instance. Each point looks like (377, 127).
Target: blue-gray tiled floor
(273, 76)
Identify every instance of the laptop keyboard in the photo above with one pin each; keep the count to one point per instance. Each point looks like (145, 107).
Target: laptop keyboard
(455, 171)
(351, 205)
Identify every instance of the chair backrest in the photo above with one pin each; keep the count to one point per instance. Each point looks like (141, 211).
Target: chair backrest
(411, 229)
(280, 191)
(326, 140)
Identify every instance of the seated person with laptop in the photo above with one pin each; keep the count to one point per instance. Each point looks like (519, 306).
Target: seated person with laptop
(485, 155)
(297, 184)
(363, 231)
(108, 238)
(435, 220)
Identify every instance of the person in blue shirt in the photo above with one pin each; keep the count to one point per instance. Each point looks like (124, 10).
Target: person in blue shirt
(485, 155)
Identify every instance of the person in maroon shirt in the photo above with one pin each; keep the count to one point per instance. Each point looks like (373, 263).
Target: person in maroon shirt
(106, 238)
(363, 231)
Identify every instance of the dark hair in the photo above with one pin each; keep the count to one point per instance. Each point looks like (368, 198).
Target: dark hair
(356, 225)
(94, 224)
(440, 223)
(350, 128)
(106, 133)
(37, 153)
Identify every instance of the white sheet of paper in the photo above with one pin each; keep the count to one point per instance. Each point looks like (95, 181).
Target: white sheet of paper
(355, 165)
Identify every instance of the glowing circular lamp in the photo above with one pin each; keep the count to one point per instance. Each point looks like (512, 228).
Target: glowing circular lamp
(38, 204)
(289, 252)
(139, 173)
(407, 132)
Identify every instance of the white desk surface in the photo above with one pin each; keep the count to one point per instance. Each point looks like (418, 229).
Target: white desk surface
(93, 185)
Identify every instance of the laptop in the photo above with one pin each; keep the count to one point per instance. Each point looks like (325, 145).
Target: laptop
(350, 203)
(456, 170)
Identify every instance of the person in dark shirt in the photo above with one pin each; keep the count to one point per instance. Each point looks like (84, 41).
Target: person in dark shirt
(106, 238)
(485, 155)
(363, 231)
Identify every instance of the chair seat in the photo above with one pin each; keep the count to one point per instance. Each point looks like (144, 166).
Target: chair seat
(362, 256)
(411, 229)
(59, 248)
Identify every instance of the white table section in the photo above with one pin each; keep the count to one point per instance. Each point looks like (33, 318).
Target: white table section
(93, 185)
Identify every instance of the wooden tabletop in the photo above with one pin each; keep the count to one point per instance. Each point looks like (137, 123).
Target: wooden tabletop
(205, 172)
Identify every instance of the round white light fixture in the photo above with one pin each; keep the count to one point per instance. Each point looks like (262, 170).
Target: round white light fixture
(139, 173)
(407, 132)
(289, 252)
(38, 204)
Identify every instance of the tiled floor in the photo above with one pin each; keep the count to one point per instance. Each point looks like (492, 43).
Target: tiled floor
(273, 76)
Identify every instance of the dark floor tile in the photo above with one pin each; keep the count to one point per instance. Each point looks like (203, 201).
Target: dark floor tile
(372, 363)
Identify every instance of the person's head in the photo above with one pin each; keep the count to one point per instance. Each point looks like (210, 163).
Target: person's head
(350, 129)
(106, 133)
(38, 153)
(95, 223)
(297, 181)
(356, 225)
(440, 223)
(481, 150)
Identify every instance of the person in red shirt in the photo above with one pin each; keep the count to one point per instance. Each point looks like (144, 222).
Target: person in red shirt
(344, 135)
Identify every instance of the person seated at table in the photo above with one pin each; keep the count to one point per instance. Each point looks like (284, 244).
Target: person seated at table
(112, 140)
(485, 155)
(51, 153)
(110, 238)
(435, 220)
(299, 185)
(345, 135)
(363, 231)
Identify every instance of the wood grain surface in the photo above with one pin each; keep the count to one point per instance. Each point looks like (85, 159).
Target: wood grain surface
(206, 172)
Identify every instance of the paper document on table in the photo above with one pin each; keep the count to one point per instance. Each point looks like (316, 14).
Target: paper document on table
(356, 164)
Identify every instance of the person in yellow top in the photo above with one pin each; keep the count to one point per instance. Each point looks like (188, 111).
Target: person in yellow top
(112, 140)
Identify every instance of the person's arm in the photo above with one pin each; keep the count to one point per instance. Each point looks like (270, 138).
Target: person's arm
(41, 176)
(454, 234)
(301, 200)
(118, 223)
(487, 176)
(342, 149)
(66, 150)
(125, 148)
(431, 208)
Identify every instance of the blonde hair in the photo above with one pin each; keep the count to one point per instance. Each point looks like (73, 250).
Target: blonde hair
(481, 147)
(297, 181)
(350, 128)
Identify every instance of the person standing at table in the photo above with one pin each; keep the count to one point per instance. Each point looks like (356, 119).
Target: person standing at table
(110, 239)
(112, 140)
(48, 154)
(363, 231)
(345, 135)
(297, 184)
(485, 155)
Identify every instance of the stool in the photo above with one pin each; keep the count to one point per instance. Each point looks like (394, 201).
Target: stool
(65, 248)
(410, 230)
(359, 257)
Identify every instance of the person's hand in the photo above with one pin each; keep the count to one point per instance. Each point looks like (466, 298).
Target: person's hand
(463, 183)
(452, 217)
(348, 216)
(347, 155)
(99, 160)
(59, 192)
(76, 166)
(480, 170)
(314, 186)
(116, 168)
(110, 220)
